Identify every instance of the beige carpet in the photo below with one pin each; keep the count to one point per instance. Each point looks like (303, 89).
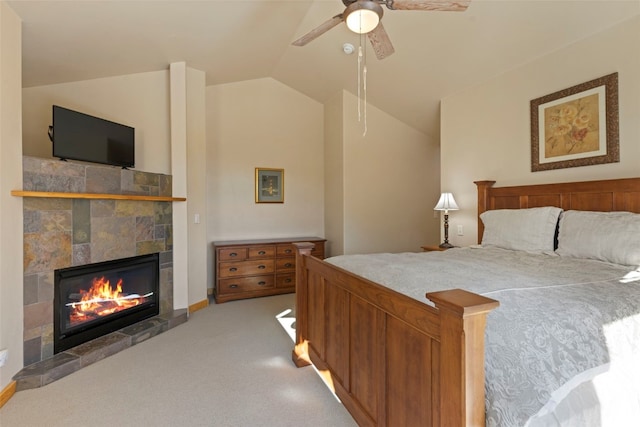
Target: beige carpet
(229, 365)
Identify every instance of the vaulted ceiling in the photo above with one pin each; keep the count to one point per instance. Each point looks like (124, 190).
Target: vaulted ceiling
(436, 53)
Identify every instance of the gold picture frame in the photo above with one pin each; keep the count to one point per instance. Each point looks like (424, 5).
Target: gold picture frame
(269, 185)
(577, 126)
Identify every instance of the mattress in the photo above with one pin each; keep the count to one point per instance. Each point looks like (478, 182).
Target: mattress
(564, 345)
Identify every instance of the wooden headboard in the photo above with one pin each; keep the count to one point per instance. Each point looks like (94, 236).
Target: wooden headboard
(604, 196)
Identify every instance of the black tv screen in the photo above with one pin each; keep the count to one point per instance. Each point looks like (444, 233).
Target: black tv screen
(79, 136)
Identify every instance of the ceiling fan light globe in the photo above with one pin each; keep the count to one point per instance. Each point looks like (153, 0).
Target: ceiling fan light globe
(363, 16)
(362, 21)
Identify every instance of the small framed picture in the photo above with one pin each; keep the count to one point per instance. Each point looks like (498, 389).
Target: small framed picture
(269, 185)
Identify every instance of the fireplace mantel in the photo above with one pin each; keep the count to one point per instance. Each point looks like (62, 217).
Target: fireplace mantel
(102, 196)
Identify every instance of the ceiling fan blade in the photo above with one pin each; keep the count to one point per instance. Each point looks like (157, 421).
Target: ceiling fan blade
(318, 31)
(439, 5)
(381, 42)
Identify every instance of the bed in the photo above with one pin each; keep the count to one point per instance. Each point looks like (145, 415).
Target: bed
(410, 350)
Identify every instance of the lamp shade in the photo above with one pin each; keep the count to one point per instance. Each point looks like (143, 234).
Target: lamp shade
(363, 16)
(446, 203)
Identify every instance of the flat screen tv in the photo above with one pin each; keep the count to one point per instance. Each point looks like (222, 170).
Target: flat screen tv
(79, 136)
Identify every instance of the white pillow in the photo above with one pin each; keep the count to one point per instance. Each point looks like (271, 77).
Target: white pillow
(605, 236)
(530, 230)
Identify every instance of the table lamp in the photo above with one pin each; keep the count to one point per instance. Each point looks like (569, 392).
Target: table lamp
(446, 203)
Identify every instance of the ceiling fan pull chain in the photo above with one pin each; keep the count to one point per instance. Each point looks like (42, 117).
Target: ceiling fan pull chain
(364, 87)
(359, 74)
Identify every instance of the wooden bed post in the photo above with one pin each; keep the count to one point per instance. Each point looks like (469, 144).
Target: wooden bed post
(462, 318)
(483, 203)
(300, 354)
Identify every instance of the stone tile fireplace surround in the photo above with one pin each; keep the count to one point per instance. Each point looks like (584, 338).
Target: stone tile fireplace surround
(61, 232)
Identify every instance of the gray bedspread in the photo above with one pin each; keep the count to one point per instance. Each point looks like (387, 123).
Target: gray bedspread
(561, 322)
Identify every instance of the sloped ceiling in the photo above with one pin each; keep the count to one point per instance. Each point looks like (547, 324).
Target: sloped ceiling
(437, 53)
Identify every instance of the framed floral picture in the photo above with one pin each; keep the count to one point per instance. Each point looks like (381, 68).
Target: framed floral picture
(269, 185)
(577, 126)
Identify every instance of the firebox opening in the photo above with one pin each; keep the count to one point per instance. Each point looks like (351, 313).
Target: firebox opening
(96, 299)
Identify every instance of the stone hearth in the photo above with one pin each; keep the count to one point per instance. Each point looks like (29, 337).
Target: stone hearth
(64, 363)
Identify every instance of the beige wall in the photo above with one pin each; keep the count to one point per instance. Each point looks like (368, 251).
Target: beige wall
(391, 183)
(137, 100)
(263, 123)
(178, 119)
(334, 175)
(10, 179)
(188, 164)
(486, 129)
(197, 185)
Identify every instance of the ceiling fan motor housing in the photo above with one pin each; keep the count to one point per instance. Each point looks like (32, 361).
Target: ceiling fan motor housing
(385, 2)
(363, 16)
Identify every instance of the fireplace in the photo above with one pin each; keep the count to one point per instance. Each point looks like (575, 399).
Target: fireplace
(95, 299)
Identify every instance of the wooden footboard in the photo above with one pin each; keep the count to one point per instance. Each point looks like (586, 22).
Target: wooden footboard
(390, 359)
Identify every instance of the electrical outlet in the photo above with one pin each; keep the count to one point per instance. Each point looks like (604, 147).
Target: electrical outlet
(196, 218)
(460, 230)
(3, 357)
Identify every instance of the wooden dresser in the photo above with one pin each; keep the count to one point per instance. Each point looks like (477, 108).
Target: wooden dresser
(257, 268)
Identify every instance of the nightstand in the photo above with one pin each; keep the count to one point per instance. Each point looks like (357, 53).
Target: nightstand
(430, 248)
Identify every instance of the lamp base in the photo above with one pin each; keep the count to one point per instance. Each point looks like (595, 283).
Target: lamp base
(446, 245)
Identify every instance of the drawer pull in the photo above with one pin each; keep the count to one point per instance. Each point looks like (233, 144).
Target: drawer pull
(233, 286)
(233, 269)
(288, 265)
(262, 283)
(233, 254)
(262, 267)
(261, 253)
(288, 280)
(287, 251)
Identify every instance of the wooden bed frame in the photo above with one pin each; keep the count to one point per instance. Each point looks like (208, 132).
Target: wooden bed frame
(395, 361)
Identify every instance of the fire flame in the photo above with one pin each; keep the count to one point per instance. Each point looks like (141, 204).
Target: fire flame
(101, 300)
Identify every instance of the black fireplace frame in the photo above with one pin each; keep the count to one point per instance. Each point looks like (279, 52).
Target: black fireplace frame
(64, 341)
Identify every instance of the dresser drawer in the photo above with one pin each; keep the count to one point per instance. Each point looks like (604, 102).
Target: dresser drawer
(232, 254)
(246, 268)
(286, 249)
(245, 284)
(286, 264)
(256, 252)
(287, 280)
(318, 250)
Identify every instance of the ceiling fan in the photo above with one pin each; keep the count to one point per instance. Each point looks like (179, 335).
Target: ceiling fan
(363, 16)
